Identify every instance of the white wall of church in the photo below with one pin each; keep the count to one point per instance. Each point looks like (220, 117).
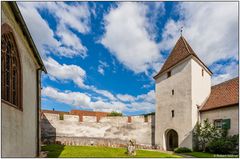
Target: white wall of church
(223, 113)
(19, 136)
(180, 102)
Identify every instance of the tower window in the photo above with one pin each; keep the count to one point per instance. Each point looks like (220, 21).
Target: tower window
(172, 113)
(169, 74)
(172, 91)
(202, 72)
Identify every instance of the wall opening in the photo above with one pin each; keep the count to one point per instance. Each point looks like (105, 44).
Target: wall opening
(169, 74)
(171, 140)
(173, 113)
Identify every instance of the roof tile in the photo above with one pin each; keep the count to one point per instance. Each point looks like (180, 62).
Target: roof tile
(181, 51)
(222, 95)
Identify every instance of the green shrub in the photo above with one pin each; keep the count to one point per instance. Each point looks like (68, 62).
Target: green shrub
(220, 146)
(182, 150)
(113, 113)
(225, 145)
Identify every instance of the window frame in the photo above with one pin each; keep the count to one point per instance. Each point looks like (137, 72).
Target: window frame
(15, 65)
(217, 121)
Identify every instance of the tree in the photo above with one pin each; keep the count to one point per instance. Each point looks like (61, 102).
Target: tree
(113, 113)
(205, 133)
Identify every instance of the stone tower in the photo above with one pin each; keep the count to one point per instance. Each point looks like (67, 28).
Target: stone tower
(182, 85)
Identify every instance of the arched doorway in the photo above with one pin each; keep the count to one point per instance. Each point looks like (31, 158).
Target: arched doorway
(171, 139)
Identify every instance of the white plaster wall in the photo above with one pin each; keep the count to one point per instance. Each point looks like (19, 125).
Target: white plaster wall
(106, 128)
(180, 102)
(223, 113)
(19, 136)
(201, 88)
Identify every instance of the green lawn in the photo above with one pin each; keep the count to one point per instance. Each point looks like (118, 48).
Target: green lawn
(92, 151)
(209, 155)
(200, 154)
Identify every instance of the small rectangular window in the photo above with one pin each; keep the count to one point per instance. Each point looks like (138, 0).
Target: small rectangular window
(172, 91)
(168, 74)
(218, 123)
(202, 72)
(172, 113)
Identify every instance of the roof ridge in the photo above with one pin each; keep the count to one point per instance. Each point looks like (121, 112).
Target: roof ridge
(180, 52)
(185, 44)
(225, 81)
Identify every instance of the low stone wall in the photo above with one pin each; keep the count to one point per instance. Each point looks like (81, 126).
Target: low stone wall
(104, 131)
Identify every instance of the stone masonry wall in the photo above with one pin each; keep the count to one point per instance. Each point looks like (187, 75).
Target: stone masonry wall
(104, 131)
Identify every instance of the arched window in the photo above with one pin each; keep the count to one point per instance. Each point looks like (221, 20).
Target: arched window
(10, 69)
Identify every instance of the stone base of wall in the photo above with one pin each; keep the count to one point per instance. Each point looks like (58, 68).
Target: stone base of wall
(90, 141)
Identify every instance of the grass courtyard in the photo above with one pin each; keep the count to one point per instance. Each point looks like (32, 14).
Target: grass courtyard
(55, 151)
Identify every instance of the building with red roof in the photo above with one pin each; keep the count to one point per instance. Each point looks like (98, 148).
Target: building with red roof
(184, 96)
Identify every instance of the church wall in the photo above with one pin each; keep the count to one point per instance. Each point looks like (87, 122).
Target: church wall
(180, 102)
(19, 136)
(108, 131)
(223, 113)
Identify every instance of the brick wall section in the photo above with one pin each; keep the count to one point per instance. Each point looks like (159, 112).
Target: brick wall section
(129, 119)
(80, 113)
(88, 113)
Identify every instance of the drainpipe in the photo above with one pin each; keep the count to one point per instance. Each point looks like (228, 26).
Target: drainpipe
(38, 86)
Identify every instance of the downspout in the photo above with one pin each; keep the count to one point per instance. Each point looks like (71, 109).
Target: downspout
(38, 86)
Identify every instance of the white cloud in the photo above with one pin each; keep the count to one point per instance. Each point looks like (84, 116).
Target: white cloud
(127, 36)
(65, 72)
(210, 28)
(149, 97)
(71, 98)
(66, 16)
(147, 107)
(225, 72)
(42, 34)
(107, 106)
(70, 41)
(75, 15)
(102, 66)
(101, 70)
(125, 97)
(84, 101)
(103, 92)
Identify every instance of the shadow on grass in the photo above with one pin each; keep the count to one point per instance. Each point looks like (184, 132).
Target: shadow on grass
(54, 151)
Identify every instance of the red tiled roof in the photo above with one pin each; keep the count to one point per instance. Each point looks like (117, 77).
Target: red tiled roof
(222, 95)
(181, 51)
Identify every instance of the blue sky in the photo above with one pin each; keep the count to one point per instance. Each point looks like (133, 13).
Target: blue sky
(102, 55)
